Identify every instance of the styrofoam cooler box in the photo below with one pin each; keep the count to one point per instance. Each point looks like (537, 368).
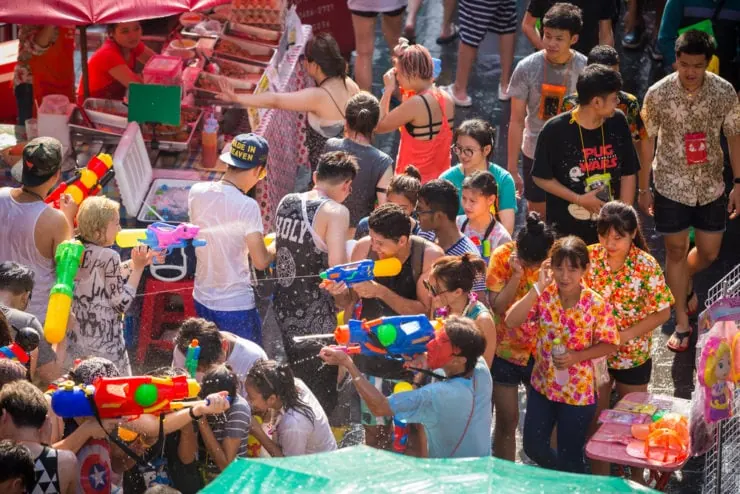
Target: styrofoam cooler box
(55, 124)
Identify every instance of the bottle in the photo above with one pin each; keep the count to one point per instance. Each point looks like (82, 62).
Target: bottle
(209, 141)
(561, 375)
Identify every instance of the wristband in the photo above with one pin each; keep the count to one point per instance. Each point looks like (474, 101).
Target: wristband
(736, 181)
(643, 191)
(192, 415)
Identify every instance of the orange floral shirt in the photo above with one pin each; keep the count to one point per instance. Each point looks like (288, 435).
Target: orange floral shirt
(634, 292)
(588, 322)
(509, 344)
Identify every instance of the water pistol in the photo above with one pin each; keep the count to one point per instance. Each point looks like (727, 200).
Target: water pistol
(115, 397)
(26, 341)
(253, 444)
(401, 428)
(483, 247)
(87, 182)
(365, 270)
(191, 358)
(68, 258)
(386, 337)
(161, 236)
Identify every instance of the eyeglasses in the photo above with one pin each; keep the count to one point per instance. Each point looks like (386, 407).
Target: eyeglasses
(430, 288)
(467, 152)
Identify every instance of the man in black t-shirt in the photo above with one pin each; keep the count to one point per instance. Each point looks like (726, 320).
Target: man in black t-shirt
(597, 23)
(585, 157)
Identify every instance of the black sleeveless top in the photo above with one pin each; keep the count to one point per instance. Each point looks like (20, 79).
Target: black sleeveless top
(46, 466)
(300, 306)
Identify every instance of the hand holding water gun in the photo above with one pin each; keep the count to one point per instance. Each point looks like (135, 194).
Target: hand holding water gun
(68, 258)
(192, 357)
(87, 182)
(115, 397)
(26, 341)
(393, 336)
(161, 236)
(357, 272)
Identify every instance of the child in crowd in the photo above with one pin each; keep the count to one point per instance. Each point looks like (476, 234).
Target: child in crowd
(512, 270)
(17, 475)
(479, 224)
(222, 437)
(451, 283)
(299, 423)
(105, 287)
(563, 390)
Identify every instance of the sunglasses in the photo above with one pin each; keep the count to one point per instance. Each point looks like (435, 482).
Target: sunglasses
(430, 288)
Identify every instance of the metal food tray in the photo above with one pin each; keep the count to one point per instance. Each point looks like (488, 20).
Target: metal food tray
(251, 33)
(108, 133)
(247, 67)
(255, 49)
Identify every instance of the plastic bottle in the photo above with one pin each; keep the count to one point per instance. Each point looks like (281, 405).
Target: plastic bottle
(561, 375)
(209, 141)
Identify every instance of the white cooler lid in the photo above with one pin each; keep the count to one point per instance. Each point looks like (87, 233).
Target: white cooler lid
(133, 169)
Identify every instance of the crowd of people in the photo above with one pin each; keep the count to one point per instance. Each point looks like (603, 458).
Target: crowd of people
(564, 304)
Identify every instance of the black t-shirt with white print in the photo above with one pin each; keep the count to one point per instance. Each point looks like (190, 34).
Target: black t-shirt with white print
(560, 155)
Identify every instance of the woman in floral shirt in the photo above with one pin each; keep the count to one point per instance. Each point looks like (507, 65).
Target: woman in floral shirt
(512, 270)
(632, 282)
(583, 321)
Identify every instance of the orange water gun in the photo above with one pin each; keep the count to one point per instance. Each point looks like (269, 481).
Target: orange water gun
(87, 182)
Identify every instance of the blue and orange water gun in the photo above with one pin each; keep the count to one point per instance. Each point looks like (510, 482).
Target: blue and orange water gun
(365, 270)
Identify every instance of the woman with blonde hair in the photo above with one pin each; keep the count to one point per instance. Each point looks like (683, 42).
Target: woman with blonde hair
(105, 287)
(425, 117)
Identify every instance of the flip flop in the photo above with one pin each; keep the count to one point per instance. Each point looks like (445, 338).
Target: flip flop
(463, 103)
(446, 40)
(682, 337)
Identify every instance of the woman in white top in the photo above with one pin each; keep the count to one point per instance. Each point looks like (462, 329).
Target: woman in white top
(324, 104)
(299, 423)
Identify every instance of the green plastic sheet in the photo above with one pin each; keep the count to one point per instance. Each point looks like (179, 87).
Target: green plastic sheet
(362, 469)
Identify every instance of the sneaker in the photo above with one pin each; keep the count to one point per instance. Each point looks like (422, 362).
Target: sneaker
(503, 95)
(633, 39)
(654, 52)
(463, 103)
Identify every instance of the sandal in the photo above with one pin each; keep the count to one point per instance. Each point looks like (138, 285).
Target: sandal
(679, 341)
(446, 40)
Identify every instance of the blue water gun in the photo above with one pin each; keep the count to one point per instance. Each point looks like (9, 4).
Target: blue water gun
(359, 271)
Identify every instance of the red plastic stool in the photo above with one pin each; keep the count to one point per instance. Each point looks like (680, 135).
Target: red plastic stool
(154, 314)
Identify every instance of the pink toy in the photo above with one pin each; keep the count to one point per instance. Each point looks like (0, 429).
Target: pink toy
(715, 375)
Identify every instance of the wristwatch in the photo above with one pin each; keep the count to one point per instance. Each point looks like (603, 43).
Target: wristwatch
(192, 415)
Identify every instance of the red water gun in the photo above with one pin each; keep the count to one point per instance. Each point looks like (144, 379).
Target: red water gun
(87, 182)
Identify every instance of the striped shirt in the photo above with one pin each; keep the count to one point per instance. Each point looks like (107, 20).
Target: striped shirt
(461, 247)
(232, 423)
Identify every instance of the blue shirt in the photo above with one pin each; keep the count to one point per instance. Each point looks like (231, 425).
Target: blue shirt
(444, 407)
(504, 182)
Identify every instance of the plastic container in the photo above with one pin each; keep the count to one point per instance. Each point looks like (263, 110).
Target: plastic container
(53, 119)
(209, 141)
(561, 375)
(164, 70)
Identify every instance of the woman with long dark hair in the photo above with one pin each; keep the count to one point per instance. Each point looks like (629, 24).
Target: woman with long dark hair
(299, 423)
(631, 281)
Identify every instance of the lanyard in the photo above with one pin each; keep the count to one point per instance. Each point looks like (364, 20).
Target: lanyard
(583, 145)
(567, 71)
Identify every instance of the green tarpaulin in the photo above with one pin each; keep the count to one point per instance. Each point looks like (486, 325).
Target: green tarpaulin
(361, 469)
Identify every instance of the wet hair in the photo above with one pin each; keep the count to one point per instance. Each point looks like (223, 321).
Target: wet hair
(363, 113)
(597, 81)
(16, 278)
(482, 181)
(390, 221)
(623, 219)
(25, 403)
(6, 337)
(571, 249)
(323, 49)
(604, 55)
(406, 184)
(465, 335)
(441, 195)
(534, 240)
(209, 339)
(94, 216)
(458, 271)
(11, 370)
(18, 463)
(415, 61)
(92, 368)
(564, 16)
(336, 167)
(695, 42)
(220, 378)
(271, 378)
(480, 130)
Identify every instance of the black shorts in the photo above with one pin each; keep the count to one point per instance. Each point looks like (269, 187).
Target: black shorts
(392, 13)
(532, 193)
(504, 373)
(636, 376)
(674, 217)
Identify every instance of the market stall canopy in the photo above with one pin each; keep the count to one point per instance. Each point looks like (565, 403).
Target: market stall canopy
(86, 12)
(362, 469)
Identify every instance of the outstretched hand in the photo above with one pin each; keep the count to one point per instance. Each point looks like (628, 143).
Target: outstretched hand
(334, 356)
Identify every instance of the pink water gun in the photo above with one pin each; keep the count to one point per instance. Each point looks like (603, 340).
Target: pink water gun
(161, 236)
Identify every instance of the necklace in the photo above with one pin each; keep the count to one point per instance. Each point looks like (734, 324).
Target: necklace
(32, 193)
(233, 185)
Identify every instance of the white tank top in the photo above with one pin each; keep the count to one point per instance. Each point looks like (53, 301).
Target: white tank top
(18, 245)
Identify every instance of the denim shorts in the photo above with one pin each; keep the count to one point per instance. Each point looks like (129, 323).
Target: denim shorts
(504, 373)
(673, 217)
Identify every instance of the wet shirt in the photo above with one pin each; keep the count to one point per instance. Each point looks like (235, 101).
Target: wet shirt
(628, 104)
(635, 291)
(588, 322)
(688, 170)
(509, 345)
